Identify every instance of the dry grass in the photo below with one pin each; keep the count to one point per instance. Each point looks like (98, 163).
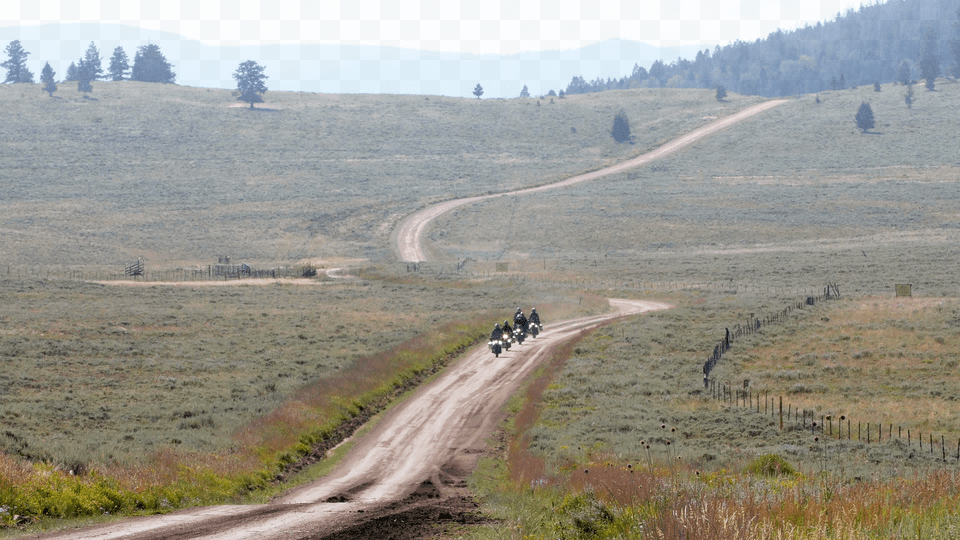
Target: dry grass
(793, 197)
(177, 175)
(874, 359)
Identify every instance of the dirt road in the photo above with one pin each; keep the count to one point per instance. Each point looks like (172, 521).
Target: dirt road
(410, 232)
(402, 478)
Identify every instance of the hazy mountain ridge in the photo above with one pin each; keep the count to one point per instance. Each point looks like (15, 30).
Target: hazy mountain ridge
(343, 68)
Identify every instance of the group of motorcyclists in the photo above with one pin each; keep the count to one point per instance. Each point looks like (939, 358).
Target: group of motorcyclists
(503, 336)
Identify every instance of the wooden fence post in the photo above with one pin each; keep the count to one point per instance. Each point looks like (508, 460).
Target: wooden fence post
(781, 419)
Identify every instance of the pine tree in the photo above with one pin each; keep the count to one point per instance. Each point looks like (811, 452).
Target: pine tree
(16, 64)
(149, 65)
(721, 93)
(864, 117)
(119, 64)
(478, 91)
(903, 73)
(250, 82)
(929, 60)
(71, 73)
(47, 77)
(84, 78)
(621, 127)
(92, 60)
(908, 96)
(524, 93)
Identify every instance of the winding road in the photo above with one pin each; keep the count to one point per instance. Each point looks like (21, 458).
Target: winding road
(433, 437)
(409, 234)
(415, 459)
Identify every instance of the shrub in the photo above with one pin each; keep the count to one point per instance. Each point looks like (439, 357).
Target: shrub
(771, 465)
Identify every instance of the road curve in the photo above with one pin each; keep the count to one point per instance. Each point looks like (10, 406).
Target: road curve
(410, 231)
(443, 425)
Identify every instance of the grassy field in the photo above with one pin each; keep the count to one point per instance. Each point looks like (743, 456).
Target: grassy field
(142, 382)
(792, 197)
(107, 374)
(181, 175)
(623, 442)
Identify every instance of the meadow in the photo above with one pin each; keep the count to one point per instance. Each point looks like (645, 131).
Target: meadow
(791, 197)
(168, 395)
(619, 439)
(623, 441)
(181, 175)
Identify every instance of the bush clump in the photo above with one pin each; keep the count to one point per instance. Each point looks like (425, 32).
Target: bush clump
(771, 465)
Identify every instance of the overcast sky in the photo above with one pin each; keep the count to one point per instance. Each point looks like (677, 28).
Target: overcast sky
(467, 26)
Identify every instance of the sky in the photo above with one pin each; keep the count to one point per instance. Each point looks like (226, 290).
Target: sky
(464, 26)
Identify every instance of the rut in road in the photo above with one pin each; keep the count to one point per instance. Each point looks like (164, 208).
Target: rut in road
(409, 234)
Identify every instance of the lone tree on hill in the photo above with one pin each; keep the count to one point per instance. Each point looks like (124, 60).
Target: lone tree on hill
(721, 93)
(119, 64)
(903, 73)
(908, 96)
(47, 77)
(478, 91)
(250, 86)
(92, 59)
(524, 92)
(621, 127)
(929, 60)
(876, 86)
(864, 117)
(16, 64)
(149, 65)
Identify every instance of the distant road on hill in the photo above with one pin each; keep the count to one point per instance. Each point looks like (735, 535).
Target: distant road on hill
(409, 234)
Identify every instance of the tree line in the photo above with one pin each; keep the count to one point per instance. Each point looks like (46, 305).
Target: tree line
(896, 41)
(149, 65)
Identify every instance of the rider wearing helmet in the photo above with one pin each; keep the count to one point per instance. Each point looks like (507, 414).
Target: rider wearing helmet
(506, 328)
(519, 321)
(497, 333)
(534, 317)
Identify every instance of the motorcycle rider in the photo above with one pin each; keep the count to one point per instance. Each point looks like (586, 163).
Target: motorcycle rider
(506, 328)
(497, 334)
(519, 321)
(534, 317)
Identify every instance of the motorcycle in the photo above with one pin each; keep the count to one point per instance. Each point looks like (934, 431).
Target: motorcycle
(535, 329)
(495, 347)
(506, 341)
(519, 334)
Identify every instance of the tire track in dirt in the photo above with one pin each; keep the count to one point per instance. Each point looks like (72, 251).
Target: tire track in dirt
(409, 233)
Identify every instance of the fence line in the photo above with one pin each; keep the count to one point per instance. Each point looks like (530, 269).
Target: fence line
(796, 418)
(754, 324)
(137, 271)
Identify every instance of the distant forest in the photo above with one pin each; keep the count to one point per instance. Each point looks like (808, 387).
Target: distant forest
(861, 47)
